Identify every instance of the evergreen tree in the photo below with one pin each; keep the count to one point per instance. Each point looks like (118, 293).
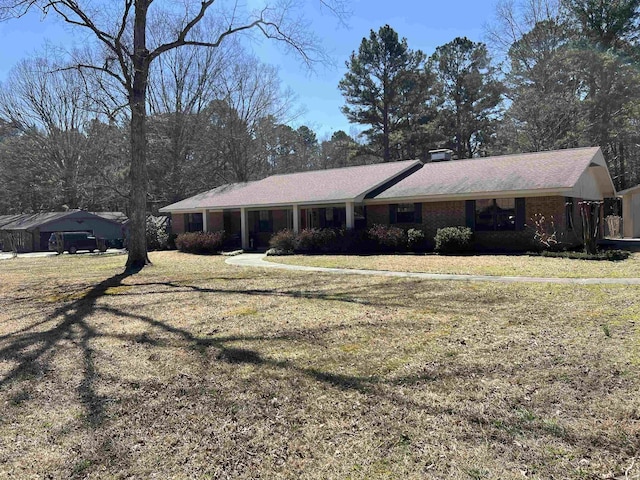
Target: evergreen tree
(387, 89)
(470, 96)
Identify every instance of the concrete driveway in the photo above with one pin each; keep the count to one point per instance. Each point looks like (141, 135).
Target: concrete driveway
(8, 256)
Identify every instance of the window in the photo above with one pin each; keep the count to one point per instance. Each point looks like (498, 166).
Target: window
(328, 215)
(264, 221)
(406, 213)
(193, 222)
(495, 214)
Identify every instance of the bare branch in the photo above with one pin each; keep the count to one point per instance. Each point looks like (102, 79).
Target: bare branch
(80, 66)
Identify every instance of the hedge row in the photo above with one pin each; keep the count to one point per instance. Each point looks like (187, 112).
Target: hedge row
(200, 242)
(378, 238)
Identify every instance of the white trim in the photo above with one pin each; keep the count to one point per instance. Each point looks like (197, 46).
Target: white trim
(296, 218)
(350, 220)
(244, 228)
(470, 196)
(271, 206)
(205, 221)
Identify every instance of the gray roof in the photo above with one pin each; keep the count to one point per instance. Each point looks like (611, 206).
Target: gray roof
(529, 172)
(30, 221)
(315, 187)
(6, 219)
(630, 190)
(117, 217)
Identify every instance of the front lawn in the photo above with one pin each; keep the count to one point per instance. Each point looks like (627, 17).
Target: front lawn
(507, 265)
(196, 369)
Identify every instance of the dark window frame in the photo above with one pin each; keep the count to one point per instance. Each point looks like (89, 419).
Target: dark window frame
(497, 214)
(194, 222)
(405, 213)
(265, 225)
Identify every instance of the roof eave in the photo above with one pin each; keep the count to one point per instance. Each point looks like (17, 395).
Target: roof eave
(258, 206)
(443, 197)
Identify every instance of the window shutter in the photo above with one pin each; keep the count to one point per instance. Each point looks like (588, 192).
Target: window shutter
(417, 215)
(271, 220)
(470, 213)
(521, 213)
(393, 213)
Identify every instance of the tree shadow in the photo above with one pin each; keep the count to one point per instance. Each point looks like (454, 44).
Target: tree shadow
(33, 350)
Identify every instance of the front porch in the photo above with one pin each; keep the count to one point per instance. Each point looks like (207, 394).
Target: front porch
(251, 228)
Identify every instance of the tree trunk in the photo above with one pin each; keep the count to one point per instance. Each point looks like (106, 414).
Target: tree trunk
(138, 174)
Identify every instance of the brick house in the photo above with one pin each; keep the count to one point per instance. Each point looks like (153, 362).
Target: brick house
(495, 196)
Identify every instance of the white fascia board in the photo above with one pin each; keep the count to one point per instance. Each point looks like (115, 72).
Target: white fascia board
(279, 206)
(628, 191)
(471, 196)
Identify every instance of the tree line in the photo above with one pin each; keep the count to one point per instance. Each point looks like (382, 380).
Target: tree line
(215, 117)
(554, 74)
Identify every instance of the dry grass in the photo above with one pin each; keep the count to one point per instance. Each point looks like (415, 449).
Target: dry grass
(192, 368)
(508, 265)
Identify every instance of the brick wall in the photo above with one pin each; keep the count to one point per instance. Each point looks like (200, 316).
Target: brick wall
(556, 207)
(279, 220)
(377, 215)
(215, 221)
(437, 215)
(177, 223)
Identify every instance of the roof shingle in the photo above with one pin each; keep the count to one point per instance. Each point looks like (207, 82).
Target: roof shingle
(557, 169)
(320, 186)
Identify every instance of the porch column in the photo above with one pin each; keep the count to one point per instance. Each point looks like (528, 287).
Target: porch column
(205, 221)
(296, 218)
(244, 228)
(350, 215)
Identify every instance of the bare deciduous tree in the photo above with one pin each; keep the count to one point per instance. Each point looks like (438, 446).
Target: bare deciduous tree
(35, 96)
(123, 32)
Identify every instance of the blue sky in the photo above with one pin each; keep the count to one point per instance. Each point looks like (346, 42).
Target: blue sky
(426, 24)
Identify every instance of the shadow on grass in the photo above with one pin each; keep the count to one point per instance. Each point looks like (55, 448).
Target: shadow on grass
(33, 351)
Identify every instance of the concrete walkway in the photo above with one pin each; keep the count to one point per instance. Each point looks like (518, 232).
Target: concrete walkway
(257, 260)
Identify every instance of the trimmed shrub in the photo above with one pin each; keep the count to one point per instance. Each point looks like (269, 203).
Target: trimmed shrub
(284, 240)
(416, 240)
(388, 238)
(353, 241)
(607, 255)
(316, 240)
(454, 240)
(200, 242)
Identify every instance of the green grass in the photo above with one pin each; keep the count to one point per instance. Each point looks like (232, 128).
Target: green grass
(193, 368)
(504, 265)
